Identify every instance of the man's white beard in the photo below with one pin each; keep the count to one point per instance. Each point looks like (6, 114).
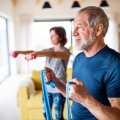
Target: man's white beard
(85, 44)
(80, 46)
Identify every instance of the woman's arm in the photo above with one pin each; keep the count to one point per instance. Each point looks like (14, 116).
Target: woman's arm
(48, 53)
(53, 54)
(16, 53)
(24, 52)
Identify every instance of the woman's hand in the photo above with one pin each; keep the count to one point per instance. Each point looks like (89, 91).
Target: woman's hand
(14, 54)
(30, 56)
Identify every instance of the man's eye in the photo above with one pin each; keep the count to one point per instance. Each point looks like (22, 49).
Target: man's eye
(80, 28)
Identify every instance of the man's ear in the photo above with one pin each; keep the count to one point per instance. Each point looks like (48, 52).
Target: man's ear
(99, 29)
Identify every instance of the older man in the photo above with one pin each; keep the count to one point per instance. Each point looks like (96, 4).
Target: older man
(96, 70)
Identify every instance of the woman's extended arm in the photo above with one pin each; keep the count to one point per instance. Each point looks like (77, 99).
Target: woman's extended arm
(48, 53)
(16, 53)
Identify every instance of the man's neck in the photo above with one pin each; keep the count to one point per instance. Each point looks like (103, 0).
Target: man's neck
(91, 51)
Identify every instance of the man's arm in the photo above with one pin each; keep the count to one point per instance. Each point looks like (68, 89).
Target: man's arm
(61, 86)
(79, 93)
(101, 111)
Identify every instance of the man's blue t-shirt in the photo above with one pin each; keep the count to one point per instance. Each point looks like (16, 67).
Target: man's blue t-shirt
(101, 76)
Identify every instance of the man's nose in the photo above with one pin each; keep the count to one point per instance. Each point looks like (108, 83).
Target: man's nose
(75, 33)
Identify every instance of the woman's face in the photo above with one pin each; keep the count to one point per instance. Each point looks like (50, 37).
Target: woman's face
(55, 39)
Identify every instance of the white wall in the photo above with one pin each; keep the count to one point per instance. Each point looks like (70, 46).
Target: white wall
(6, 8)
(60, 10)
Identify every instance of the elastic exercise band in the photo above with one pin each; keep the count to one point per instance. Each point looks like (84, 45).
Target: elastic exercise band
(67, 100)
(46, 100)
(52, 84)
(45, 93)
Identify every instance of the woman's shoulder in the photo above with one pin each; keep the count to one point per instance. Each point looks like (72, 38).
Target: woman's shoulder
(66, 49)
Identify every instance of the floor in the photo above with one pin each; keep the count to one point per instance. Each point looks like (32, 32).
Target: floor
(8, 98)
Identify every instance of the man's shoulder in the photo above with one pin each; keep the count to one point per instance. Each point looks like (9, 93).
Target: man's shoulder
(113, 55)
(113, 52)
(112, 58)
(79, 57)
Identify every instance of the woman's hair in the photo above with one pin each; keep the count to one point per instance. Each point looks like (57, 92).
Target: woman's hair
(96, 16)
(60, 31)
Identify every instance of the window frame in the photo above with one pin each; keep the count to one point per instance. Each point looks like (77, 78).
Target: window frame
(7, 48)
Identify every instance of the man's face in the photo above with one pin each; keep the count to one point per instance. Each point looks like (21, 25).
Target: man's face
(84, 35)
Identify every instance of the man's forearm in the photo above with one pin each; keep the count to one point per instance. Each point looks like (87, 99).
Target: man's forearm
(61, 86)
(101, 111)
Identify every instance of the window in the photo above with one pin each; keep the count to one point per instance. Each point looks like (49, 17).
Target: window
(41, 34)
(4, 59)
(109, 37)
(41, 37)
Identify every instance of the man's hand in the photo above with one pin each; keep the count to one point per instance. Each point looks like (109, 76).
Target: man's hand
(50, 75)
(78, 91)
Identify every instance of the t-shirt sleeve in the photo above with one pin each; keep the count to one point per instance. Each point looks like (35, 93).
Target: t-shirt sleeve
(113, 83)
(73, 65)
(68, 51)
(75, 62)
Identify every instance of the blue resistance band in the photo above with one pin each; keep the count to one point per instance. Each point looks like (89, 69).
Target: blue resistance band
(51, 83)
(45, 93)
(67, 100)
(46, 100)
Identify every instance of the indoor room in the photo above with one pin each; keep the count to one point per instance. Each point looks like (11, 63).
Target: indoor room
(25, 25)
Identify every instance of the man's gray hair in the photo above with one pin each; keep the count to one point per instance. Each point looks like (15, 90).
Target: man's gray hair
(96, 16)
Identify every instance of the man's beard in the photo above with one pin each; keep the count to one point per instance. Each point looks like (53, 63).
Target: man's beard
(85, 44)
